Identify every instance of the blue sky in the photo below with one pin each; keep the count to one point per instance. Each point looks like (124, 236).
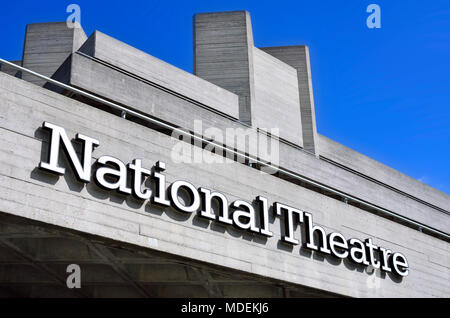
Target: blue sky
(383, 92)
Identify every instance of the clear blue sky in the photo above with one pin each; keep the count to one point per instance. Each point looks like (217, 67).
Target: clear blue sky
(383, 92)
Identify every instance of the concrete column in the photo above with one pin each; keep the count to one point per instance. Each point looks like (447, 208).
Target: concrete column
(223, 54)
(298, 57)
(47, 45)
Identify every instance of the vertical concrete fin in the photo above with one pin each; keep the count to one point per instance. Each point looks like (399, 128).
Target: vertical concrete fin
(223, 43)
(298, 57)
(47, 46)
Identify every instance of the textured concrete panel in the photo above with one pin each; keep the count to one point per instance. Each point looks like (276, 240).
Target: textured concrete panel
(130, 59)
(298, 57)
(46, 47)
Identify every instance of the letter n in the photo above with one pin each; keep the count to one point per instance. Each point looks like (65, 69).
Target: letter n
(58, 134)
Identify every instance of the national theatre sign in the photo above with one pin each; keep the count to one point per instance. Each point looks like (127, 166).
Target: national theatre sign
(112, 174)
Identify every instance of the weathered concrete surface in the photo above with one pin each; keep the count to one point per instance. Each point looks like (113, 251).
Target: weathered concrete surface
(26, 192)
(46, 47)
(11, 70)
(130, 59)
(123, 88)
(298, 57)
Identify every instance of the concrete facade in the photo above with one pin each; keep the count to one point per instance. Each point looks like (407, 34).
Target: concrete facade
(184, 254)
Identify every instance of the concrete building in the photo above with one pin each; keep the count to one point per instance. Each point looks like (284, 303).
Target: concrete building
(53, 214)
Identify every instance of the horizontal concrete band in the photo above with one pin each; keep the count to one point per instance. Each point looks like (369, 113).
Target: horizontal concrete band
(26, 192)
(442, 224)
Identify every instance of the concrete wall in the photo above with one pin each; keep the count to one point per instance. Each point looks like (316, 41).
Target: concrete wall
(62, 201)
(46, 47)
(130, 59)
